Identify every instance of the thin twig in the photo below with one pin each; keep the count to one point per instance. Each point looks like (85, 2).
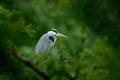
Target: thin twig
(80, 49)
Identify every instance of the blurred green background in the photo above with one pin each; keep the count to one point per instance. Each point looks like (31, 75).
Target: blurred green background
(92, 50)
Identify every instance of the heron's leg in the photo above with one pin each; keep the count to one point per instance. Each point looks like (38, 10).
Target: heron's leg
(47, 54)
(46, 57)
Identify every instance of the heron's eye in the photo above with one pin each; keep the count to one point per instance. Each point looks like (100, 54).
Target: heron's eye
(55, 35)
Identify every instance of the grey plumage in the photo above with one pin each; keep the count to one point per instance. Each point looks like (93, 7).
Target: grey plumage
(45, 44)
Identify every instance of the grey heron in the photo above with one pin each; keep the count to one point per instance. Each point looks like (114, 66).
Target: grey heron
(47, 41)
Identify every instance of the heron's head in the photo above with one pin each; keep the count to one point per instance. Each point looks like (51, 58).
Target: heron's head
(54, 32)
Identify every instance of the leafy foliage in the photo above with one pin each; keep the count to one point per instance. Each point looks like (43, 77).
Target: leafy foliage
(90, 53)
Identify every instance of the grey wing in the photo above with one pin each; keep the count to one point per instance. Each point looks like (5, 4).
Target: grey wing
(40, 44)
(44, 45)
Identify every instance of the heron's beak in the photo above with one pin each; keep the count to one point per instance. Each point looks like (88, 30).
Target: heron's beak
(61, 35)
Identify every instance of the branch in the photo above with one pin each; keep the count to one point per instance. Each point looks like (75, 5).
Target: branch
(29, 64)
